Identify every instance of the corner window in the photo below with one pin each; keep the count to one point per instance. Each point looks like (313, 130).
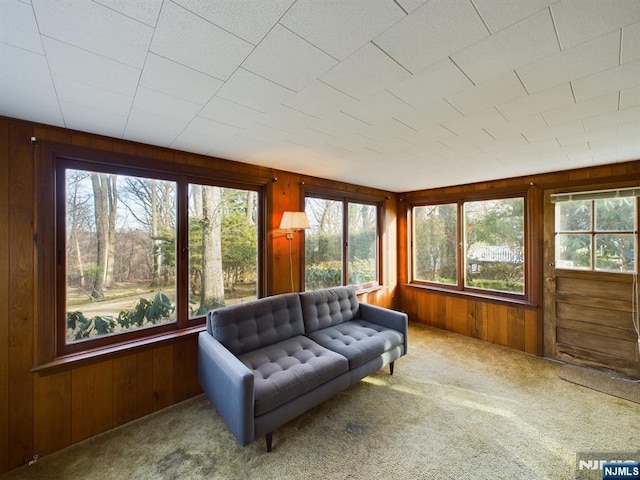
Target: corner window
(596, 233)
(470, 245)
(140, 253)
(342, 245)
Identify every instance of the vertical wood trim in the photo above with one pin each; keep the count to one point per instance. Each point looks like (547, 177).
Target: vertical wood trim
(21, 295)
(4, 297)
(92, 400)
(548, 279)
(52, 407)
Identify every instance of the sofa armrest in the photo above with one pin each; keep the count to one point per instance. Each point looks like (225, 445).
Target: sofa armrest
(229, 385)
(387, 318)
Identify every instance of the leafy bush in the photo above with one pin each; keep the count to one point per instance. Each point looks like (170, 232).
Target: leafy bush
(145, 311)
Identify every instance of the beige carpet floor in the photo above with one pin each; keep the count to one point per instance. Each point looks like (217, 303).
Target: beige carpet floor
(455, 407)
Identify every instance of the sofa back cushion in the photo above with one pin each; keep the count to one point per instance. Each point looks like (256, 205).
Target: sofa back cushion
(247, 326)
(328, 307)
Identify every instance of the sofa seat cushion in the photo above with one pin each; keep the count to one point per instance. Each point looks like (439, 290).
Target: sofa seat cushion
(289, 368)
(358, 340)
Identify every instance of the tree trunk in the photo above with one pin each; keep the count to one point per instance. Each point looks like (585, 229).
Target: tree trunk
(157, 251)
(112, 204)
(98, 182)
(212, 292)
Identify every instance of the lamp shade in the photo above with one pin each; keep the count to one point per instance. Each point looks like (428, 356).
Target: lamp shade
(294, 221)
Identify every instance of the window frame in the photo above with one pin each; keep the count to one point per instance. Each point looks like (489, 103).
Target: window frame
(593, 232)
(53, 350)
(460, 288)
(346, 198)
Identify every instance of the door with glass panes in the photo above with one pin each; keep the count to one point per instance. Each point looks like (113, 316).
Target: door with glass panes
(590, 273)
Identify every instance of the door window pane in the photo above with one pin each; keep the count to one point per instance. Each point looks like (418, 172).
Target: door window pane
(323, 243)
(363, 251)
(494, 244)
(223, 249)
(615, 214)
(573, 251)
(121, 253)
(435, 242)
(573, 216)
(615, 252)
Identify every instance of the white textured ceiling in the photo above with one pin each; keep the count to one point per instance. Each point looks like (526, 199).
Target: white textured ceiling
(396, 94)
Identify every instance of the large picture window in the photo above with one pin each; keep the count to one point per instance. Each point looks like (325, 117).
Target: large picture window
(140, 252)
(342, 245)
(470, 245)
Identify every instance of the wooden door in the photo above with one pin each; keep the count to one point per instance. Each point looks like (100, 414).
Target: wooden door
(587, 314)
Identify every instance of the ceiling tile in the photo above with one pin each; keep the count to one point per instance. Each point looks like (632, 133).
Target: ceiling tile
(288, 60)
(499, 14)
(612, 118)
(342, 28)
(428, 135)
(432, 113)
(529, 40)
(248, 19)
(177, 80)
(500, 89)
(543, 133)
(86, 119)
(586, 137)
(365, 72)
(29, 99)
(203, 134)
(263, 133)
(440, 80)
(440, 27)
(516, 127)
(578, 20)
(410, 5)
(319, 99)
(577, 111)
(629, 97)
(92, 97)
(18, 26)
(612, 80)
(194, 42)
(153, 129)
(158, 103)
(339, 124)
(630, 43)
(75, 64)
(145, 12)
(587, 58)
(288, 119)
(475, 121)
(231, 113)
(378, 107)
(253, 91)
(555, 97)
(94, 28)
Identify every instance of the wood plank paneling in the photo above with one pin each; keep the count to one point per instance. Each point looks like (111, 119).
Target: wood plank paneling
(52, 412)
(21, 295)
(125, 389)
(598, 343)
(515, 328)
(92, 400)
(145, 382)
(162, 377)
(4, 296)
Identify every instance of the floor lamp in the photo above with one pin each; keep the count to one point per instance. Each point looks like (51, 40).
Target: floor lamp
(293, 222)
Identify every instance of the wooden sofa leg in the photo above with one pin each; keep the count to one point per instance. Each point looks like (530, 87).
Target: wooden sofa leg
(391, 368)
(269, 438)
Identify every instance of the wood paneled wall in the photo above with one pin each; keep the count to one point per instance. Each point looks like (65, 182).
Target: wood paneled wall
(511, 324)
(42, 413)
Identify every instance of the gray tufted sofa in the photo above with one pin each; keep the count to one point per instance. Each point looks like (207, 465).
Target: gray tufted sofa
(265, 362)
